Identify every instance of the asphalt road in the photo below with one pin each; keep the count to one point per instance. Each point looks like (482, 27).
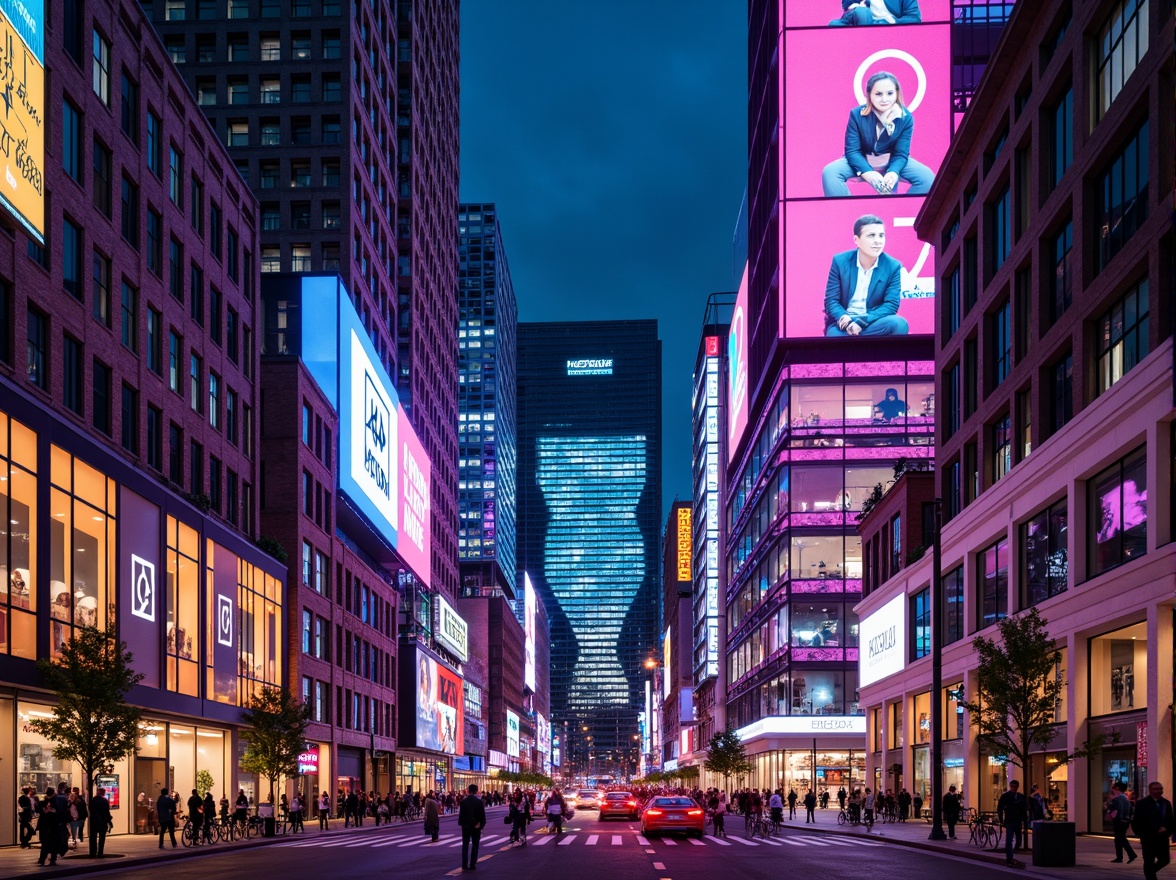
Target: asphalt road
(588, 848)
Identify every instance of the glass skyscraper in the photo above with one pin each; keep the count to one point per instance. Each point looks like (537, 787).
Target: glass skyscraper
(589, 521)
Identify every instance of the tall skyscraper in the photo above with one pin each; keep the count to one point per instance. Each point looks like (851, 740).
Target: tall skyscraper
(344, 123)
(487, 333)
(589, 520)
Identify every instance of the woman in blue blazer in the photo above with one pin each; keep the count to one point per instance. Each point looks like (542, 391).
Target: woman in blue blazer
(878, 145)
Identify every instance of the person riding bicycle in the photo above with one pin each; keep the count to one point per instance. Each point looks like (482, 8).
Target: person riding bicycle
(241, 813)
(554, 807)
(855, 807)
(208, 817)
(776, 806)
(868, 806)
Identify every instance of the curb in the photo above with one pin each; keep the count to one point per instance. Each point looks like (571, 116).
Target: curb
(972, 853)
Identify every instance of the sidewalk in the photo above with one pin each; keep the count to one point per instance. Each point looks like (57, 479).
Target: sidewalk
(130, 851)
(1093, 853)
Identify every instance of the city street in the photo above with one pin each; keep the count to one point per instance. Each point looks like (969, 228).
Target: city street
(614, 848)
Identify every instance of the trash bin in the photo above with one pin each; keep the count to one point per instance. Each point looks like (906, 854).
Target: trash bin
(265, 812)
(1054, 844)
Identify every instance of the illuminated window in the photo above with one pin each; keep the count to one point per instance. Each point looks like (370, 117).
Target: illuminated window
(1116, 519)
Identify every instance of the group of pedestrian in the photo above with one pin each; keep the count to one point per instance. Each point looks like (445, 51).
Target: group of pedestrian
(58, 820)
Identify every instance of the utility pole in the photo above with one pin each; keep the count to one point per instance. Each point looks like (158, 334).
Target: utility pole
(937, 626)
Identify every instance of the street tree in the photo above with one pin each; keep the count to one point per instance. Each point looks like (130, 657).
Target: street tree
(1018, 691)
(92, 724)
(276, 735)
(726, 755)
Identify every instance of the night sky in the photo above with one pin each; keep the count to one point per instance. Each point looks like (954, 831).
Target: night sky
(612, 137)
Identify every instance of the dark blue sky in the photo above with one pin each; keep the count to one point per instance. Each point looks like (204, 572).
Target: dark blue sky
(612, 137)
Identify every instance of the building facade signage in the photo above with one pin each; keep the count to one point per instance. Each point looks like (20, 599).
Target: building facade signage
(590, 367)
(685, 544)
(804, 725)
(883, 640)
(308, 760)
(452, 631)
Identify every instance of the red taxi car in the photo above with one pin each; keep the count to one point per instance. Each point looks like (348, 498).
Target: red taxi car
(619, 803)
(672, 814)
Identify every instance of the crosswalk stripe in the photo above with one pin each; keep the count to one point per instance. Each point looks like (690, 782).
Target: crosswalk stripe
(770, 842)
(541, 840)
(792, 842)
(643, 842)
(669, 842)
(567, 840)
(814, 841)
(738, 839)
(592, 838)
(696, 842)
(616, 841)
(717, 840)
(833, 841)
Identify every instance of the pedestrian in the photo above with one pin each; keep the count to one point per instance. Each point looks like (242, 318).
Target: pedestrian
(951, 810)
(1119, 812)
(324, 807)
(49, 827)
(471, 818)
(868, 809)
(78, 814)
(165, 814)
(1038, 811)
(825, 799)
(792, 803)
(904, 805)
(241, 809)
(432, 816)
(99, 823)
(196, 813)
(296, 814)
(520, 814)
(208, 817)
(25, 813)
(810, 806)
(721, 815)
(917, 805)
(554, 807)
(351, 810)
(841, 796)
(1011, 811)
(1153, 826)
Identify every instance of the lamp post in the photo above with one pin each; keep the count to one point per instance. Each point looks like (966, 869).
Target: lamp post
(937, 612)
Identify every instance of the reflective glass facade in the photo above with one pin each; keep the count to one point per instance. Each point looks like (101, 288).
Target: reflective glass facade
(589, 517)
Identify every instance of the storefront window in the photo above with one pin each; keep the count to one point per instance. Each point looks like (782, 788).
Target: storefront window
(876, 730)
(18, 544)
(923, 718)
(260, 610)
(183, 607)
(1117, 661)
(953, 712)
(817, 626)
(81, 547)
(896, 725)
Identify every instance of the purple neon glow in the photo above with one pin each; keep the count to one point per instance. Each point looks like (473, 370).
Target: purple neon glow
(808, 13)
(1132, 515)
(824, 586)
(886, 369)
(415, 539)
(737, 366)
(820, 654)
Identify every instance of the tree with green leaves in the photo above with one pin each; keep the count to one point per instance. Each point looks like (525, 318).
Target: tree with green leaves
(276, 735)
(92, 724)
(726, 755)
(1018, 691)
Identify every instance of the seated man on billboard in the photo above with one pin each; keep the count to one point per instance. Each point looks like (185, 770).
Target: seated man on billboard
(867, 12)
(865, 286)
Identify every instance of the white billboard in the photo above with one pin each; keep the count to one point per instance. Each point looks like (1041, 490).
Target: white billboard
(512, 734)
(883, 642)
(529, 633)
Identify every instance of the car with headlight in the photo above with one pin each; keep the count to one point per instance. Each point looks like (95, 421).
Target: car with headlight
(588, 798)
(619, 803)
(675, 815)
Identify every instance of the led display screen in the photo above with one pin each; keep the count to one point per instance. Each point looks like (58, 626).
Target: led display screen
(883, 642)
(529, 599)
(737, 403)
(865, 123)
(440, 723)
(22, 125)
(512, 734)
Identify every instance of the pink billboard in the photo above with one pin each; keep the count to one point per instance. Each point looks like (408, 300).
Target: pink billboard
(737, 370)
(843, 13)
(414, 539)
(820, 231)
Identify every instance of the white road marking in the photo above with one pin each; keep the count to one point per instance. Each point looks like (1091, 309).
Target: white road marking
(717, 840)
(668, 842)
(592, 838)
(696, 842)
(739, 839)
(567, 840)
(658, 866)
(616, 840)
(641, 840)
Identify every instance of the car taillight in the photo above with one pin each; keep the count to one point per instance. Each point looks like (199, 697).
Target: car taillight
(653, 812)
(694, 812)
(632, 803)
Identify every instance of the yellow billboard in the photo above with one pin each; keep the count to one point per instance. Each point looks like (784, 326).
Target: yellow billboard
(22, 114)
(685, 544)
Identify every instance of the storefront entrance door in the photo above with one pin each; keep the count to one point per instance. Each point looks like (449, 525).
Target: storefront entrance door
(150, 778)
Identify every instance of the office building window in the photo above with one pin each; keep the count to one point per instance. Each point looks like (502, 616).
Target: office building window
(1121, 44)
(213, 399)
(196, 298)
(1000, 336)
(1044, 556)
(992, 579)
(1062, 279)
(154, 143)
(71, 140)
(1024, 425)
(1116, 520)
(197, 206)
(195, 383)
(1123, 339)
(175, 277)
(37, 370)
(921, 623)
(215, 232)
(175, 180)
(71, 258)
(100, 267)
(1062, 398)
(1060, 121)
(73, 28)
(154, 242)
(307, 630)
(102, 182)
(129, 315)
(154, 437)
(1002, 447)
(1122, 198)
(231, 510)
(130, 419)
(129, 107)
(953, 308)
(130, 213)
(1022, 312)
(214, 314)
(101, 70)
(101, 397)
(72, 379)
(175, 454)
(231, 321)
(231, 416)
(174, 345)
(214, 483)
(1000, 230)
(195, 468)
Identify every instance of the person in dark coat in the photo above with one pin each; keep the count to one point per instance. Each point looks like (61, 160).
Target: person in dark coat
(165, 812)
(951, 810)
(25, 813)
(471, 818)
(1153, 825)
(433, 816)
(856, 13)
(99, 823)
(1012, 810)
(49, 827)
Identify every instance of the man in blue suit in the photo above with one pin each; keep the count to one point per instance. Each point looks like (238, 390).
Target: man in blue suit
(865, 286)
(866, 12)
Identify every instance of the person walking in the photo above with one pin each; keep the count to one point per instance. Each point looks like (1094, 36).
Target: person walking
(1153, 826)
(1119, 812)
(49, 827)
(324, 808)
(165, 814)
(519, 814)
(208, 818)
(1011, 811)
(196, 812)
(471, 818)
(432, 816)
(904, 805)
(792, 799)
(951, 810)
(810, 807)
(99, 823)
(25, 813)
(296, 808)
(351, 810)
(78, 813)
(240, 810)
(842, 794)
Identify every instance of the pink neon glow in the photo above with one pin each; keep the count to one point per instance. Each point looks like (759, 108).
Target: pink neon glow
(818, 230)
(414, 539)
(1134, 512)
(737, 379)
(809, 13)
(819, 95)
